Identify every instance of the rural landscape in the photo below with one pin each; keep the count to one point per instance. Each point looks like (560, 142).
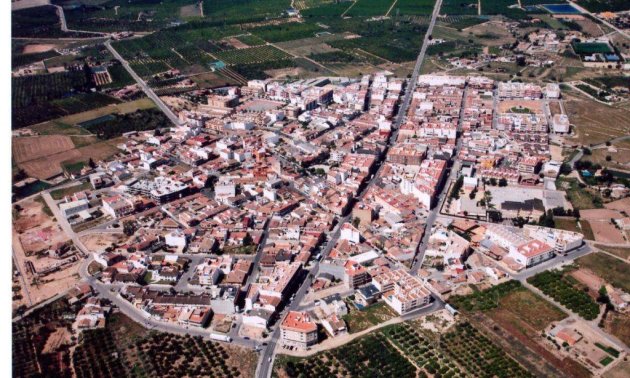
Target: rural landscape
(320, 188)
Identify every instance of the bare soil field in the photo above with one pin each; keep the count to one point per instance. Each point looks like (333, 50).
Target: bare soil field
(589, 27)
(606, 232)
(191, 10)
(31, 215)
(596, 123)
(618, 324)
(30, 148)
(122, 108)
(98, 242)
(49, 166)
(236, 43)
(618, 371)
(37, 48)
(534, 106)
(624, 253)
(588, 278)
(621, 205)
(599, 214)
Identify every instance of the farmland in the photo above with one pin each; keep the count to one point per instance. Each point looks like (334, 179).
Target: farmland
(139, 120)
(369, 8)
(486, 299)
(29, 90)
(29, 336)
(133, 351)
(557, 285)
(252, 55)
(388, 353)
(370, 355)
(453, 7)
(38, 22)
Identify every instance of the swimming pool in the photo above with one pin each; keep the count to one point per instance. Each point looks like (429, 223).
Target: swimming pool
(561, 8)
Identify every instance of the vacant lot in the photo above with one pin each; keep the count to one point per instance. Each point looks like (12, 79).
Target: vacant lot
(596, 123)
(624, 253)
(613, 270)
(358, 321)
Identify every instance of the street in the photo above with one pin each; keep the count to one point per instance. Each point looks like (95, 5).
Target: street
(147, 90)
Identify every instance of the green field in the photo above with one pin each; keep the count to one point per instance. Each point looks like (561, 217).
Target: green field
(369, 8)
(588, 48)
(251, 55)
(454, 7)
(38, 22)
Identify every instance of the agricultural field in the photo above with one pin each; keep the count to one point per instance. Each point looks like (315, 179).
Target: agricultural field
(229, 12)
(30, 335)
(120, 15)
(514, 317)
(413, 7)
(484, 300)
(597, 6)
(502, 7)
(580, 197)
(134, 351)
(369, 8)
(260, 54)
(618, 325)
(286, 32)
(118, 124)
(38, 22)
(251, 40)
(370, 356)
(30, 90)
(566, 291)
(458, 7)
(18, 60)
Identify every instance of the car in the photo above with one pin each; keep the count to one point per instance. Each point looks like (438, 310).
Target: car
(269, 359)
(264, 344)
(246, 337)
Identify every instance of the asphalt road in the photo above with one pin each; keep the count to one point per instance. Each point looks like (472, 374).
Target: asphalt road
(147, 90)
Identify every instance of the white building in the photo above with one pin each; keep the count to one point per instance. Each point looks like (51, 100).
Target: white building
(75, 207)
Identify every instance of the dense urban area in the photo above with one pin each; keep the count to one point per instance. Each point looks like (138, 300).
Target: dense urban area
(318, 188)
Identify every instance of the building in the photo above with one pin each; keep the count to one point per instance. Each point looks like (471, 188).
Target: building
(117, 206)
(402, 291)
(73, 208)
(531, 253)
(561, 241)
(161, 189)
(355, 275)
(297, 329)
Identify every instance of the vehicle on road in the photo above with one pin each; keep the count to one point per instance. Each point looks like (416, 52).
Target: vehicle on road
(219, 337)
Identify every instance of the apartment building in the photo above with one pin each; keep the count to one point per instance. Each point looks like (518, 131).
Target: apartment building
(297, 329)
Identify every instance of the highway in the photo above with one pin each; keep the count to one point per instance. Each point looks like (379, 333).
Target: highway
(143, 85)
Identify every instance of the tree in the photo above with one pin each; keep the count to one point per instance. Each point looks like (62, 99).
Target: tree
(129, 228)
(493, 182)
(91, 163)
(247, 240)
(356, 222)
(565, 169)
(608, 158)
(503, 182)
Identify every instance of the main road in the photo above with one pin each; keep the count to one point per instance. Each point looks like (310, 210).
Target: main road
(267, 356)
(143, 85)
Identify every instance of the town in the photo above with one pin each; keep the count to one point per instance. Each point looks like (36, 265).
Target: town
(315, 188)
